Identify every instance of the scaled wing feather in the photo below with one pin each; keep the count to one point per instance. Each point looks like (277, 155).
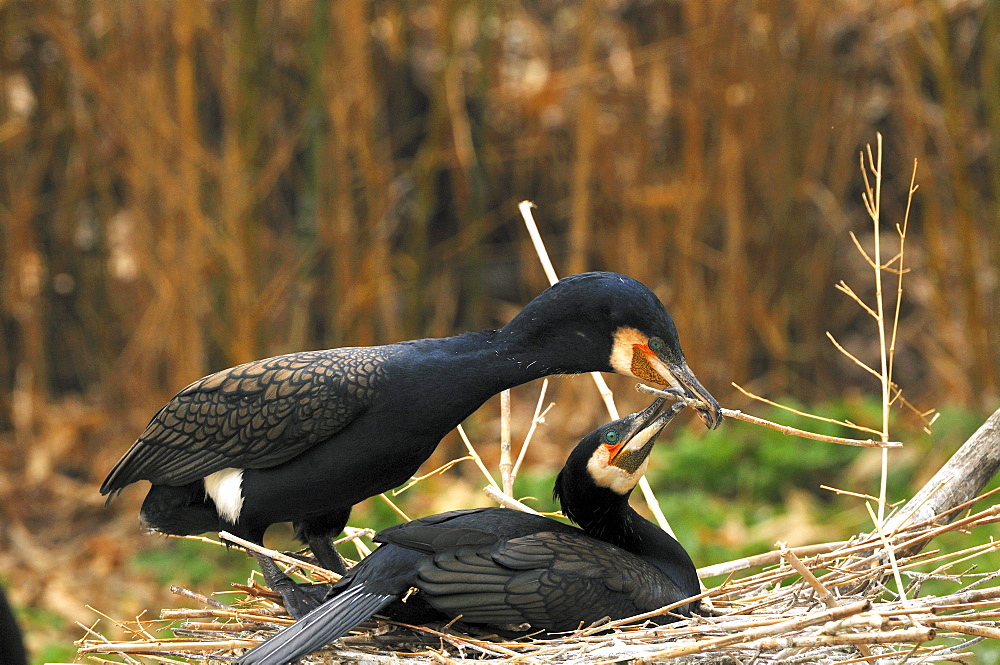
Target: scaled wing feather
(256, 415)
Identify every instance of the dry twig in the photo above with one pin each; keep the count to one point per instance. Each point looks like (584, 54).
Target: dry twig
(784, 429)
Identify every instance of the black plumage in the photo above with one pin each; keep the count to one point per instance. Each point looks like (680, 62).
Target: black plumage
(505, 568)
(303, 437)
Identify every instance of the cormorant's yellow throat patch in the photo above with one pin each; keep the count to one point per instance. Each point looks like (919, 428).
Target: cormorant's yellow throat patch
(641, 367)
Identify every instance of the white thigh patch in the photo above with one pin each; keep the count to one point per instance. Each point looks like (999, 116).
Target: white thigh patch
(226, 489)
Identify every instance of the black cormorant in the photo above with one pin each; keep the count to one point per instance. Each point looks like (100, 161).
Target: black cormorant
(303, 437)
(502, 568)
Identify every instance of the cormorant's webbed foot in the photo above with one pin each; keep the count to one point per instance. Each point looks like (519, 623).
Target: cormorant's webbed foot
(327, 555)
(298, 599)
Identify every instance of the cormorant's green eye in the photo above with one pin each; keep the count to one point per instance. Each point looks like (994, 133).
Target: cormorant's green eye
(611, 436)
(655, 344)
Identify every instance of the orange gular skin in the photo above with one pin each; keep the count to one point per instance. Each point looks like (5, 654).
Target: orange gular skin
(641, 367)
(629, 461)
(613, 450)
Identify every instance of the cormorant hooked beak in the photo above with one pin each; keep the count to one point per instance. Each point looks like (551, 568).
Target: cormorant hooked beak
(711, 413)
(642, 431)
(661, 367)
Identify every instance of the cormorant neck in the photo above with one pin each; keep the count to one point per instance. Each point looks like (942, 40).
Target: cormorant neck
(558, 346)
(608, 516)
(456, 375)
(499, 360)
(487, 362)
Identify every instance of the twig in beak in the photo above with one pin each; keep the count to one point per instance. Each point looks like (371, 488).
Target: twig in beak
(784, 429)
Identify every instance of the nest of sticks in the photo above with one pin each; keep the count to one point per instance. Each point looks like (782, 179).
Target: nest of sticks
(859, 600)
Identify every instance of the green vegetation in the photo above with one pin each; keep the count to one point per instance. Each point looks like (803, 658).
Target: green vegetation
(191, 564)
(50, 626)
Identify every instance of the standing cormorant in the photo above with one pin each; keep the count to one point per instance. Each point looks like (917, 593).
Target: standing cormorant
(501, 567)
(303, 437)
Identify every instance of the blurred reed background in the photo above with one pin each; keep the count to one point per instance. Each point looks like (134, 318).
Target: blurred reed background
(188, 185)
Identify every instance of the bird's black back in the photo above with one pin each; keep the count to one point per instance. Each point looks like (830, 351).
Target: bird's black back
(256, 415)
(501, 567)
(492, 566)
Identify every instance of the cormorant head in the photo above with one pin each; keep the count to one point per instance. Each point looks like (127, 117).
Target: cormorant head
(603, 321)
(614, 456)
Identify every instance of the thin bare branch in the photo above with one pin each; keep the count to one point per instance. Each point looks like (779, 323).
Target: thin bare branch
(507, 501)
(536, 420)
(844, 288)
(804, 414)
(536, 240)
(279, 556)
(890, 550)
(861, 250)
(171, 645)
(441, 469)
(506, 465)
(784, 429)
(476, 458)
(810, 619)
(901, 231)
(396, 509)
(989, 632)
(855, 359)
(765, 559)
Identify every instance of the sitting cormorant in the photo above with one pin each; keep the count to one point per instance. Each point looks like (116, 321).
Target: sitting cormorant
(502, 567)
(303, 437)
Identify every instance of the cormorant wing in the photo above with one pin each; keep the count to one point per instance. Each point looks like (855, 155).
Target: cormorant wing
(551, 580)
(255, 415)
(427, 535)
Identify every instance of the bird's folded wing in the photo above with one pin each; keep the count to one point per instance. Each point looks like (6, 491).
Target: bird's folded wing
(428, 536)
(255, 415)
(583, 581)
(552, 580)
(467, 581)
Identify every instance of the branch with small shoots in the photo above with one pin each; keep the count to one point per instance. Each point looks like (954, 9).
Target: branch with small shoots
(784, 429)
(536, 420)
(872, 199)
